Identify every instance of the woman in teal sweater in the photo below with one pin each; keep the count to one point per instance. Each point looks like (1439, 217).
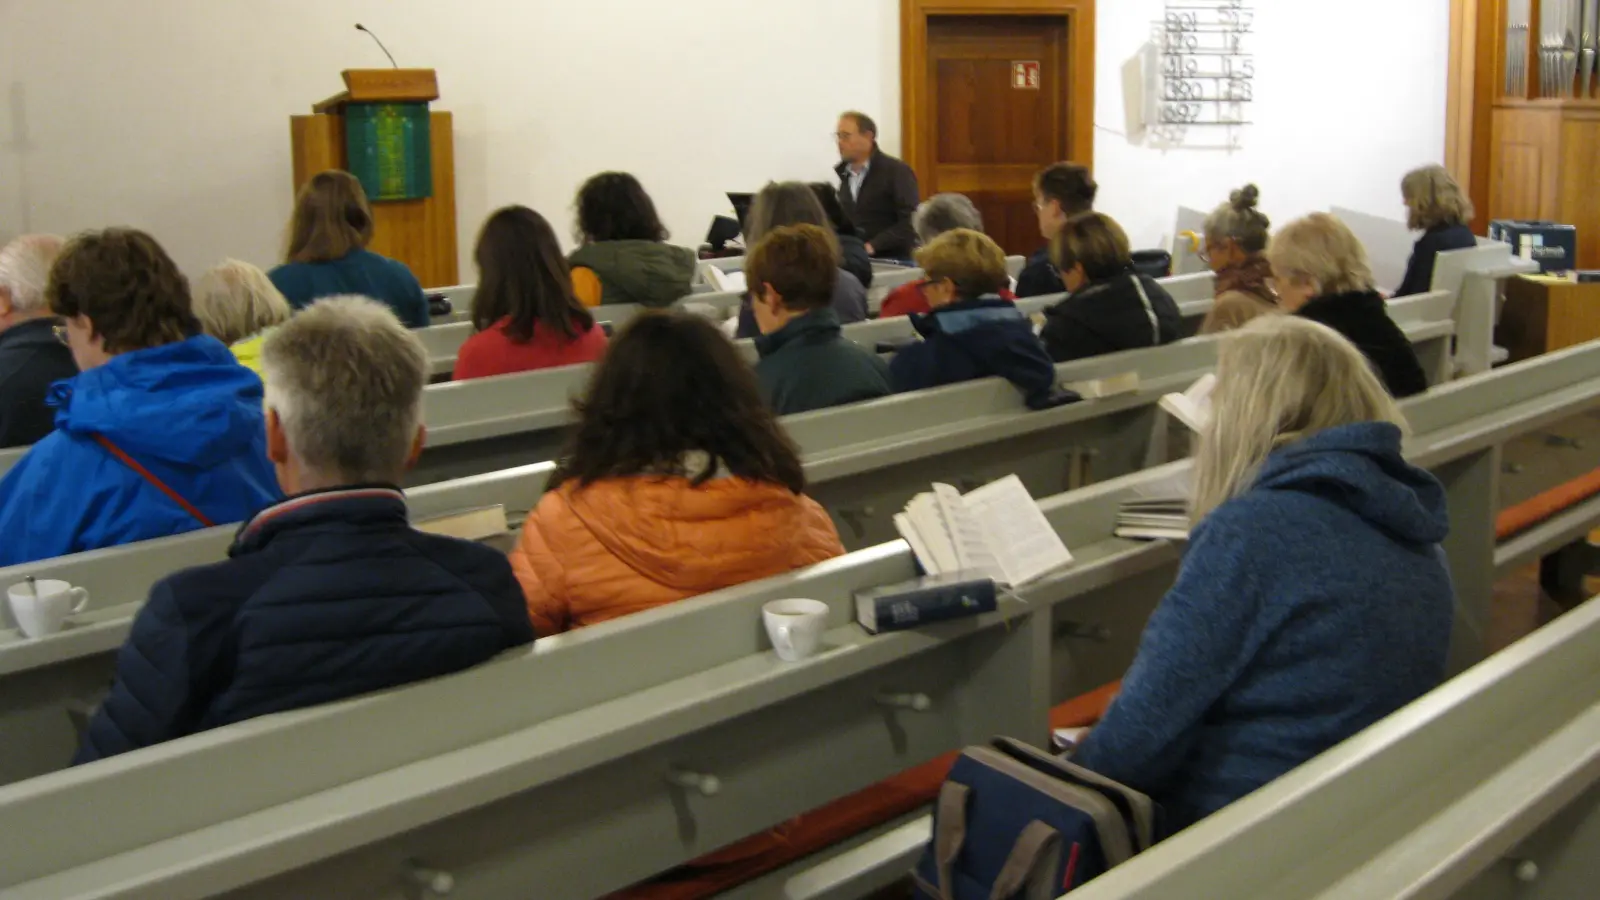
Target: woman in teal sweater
(327, 254)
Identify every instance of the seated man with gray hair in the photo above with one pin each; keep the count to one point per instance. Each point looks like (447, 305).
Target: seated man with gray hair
(330, 593)
(937, 215)
(31, 357)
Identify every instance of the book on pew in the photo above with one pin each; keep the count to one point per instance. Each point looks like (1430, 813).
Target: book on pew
(478, 524)
(725, 282)
(1157, 511)
(1108, 386)
(921, 601)
(996, 531)
(1193, 406)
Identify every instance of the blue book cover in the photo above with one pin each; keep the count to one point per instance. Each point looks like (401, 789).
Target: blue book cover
(932, 598)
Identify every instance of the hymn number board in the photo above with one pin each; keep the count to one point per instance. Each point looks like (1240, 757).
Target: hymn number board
(1208, 73)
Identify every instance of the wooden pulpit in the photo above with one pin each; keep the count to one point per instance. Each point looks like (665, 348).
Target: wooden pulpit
(381, 129)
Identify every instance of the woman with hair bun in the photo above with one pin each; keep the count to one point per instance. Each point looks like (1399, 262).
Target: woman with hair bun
(1236, 243)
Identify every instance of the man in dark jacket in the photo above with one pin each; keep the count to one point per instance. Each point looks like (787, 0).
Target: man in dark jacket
(330, 593)
(805, 361)
(31, 357)
(972, 333)
(878, 192)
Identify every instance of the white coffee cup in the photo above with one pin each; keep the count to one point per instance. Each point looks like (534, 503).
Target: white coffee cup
(42, 606)
(795, 627)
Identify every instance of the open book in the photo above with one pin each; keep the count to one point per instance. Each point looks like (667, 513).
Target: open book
(996, 531)
(1193, 406)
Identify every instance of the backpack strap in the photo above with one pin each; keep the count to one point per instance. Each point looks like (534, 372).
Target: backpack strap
(150, 476)
(950, 834)
(1034, 844)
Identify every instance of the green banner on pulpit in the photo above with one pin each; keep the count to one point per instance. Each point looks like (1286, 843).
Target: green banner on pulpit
(388, 148)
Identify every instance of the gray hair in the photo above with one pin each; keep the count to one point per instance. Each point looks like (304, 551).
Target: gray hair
(25, 269)
(235, 300)
(1280, 379)
(945, 212)
(346, 379)
(1238, 220)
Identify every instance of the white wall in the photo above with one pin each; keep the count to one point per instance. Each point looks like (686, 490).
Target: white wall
(172, 115)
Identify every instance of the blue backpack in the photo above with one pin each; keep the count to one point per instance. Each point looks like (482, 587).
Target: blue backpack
(1015, 822)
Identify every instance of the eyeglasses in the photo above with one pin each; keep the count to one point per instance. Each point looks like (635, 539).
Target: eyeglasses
(843, 135)
(60, 331)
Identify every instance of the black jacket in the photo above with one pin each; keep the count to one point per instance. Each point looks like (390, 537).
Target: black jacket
(976, 339)
(1039, 277)
(1110, 315)
(1436, 240)
(889, 196)
(853, 258)
(1363, 318)
(807, 364)
(324, 596)
(31, 359)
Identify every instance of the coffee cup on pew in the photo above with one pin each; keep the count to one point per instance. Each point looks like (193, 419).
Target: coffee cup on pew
(41, 606)
(795, 627)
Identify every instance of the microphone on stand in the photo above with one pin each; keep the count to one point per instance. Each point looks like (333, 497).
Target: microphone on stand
(361, 27)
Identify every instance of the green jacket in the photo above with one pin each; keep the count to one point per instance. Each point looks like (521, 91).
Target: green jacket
(807, 364)
(648, 273)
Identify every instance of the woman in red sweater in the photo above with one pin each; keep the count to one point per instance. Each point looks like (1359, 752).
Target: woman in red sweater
(524, 311)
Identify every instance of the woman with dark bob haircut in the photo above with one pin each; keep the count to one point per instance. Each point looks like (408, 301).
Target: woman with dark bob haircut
(624, 257)
(678, 481)
(524, 313)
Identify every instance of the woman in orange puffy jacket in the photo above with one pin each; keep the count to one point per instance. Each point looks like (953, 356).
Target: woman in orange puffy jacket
(677, 482)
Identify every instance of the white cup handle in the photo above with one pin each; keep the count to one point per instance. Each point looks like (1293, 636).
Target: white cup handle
(83, 599)
(781, 639)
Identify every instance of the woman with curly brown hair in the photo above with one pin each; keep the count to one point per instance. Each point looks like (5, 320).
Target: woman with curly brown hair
(678, 481)
(161, 433)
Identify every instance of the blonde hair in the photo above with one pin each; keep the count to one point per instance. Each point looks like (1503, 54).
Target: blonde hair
(1238, 220)
(235, 300)
(331, 219)
(1280, 379)
(1434, 198)
(1324, 251)
(346, 379)
(970, 259)
(1095, 240)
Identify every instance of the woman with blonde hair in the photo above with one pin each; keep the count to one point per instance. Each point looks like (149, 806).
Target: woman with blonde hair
(1313, 599)
(327, 256)
(1437, 207)
(237, 304)
(1236, 235)
(1111, 307)
(1320, 272)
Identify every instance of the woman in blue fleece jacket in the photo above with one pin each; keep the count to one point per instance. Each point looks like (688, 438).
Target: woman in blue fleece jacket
(1313, 599)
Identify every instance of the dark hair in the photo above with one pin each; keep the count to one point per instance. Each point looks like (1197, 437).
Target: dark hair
(782, 203)
(1095, 240)
(671, 384)
(800, 261)
(127, 286)
(832, 208)
(1068, 184)
(522, 274)
(331, 219)
(864, 123)
(613, 206)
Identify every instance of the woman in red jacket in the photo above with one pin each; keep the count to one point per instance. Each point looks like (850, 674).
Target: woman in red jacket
(524, 311)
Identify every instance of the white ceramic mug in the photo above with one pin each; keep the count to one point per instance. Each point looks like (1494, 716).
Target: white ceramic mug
(795, 627)
(42, 607)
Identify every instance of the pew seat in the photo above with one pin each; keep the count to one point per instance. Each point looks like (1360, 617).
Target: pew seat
(834, 823)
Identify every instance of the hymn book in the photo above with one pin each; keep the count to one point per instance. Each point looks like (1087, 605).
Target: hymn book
(996, 531)
(1157, 511)
(1193, 406)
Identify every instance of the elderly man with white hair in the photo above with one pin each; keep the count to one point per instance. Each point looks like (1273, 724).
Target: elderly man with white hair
(31, 356)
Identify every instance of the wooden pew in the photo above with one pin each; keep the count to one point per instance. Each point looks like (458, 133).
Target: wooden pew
(614, 737)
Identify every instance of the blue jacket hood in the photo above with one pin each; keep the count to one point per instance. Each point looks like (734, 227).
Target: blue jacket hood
(189, 403)
(1360, 468)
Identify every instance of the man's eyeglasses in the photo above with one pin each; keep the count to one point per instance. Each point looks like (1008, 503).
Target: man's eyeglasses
(60, 331)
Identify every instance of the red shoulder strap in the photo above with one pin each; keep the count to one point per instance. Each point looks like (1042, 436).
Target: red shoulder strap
(150, 476)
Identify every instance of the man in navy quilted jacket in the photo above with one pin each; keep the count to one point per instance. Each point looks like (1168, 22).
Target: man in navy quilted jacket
(330, 593)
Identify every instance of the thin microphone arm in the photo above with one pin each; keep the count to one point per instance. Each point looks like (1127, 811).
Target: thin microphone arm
(361, 27)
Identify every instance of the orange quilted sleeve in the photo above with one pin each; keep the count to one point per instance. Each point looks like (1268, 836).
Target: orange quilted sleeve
(540, 573)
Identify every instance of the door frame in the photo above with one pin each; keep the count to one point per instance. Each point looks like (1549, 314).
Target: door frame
(1077, 71)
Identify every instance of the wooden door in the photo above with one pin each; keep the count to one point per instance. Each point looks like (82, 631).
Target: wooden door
(999, 109)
